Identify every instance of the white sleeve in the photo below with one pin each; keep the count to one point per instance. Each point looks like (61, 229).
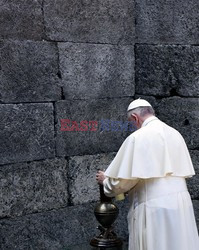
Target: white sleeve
(113, 187)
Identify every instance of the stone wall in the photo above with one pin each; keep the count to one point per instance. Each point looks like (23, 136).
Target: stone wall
(84, 60)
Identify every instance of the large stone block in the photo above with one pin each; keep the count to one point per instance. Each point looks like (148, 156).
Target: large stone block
(96, 71)
(83, 187)
(106, 135)
(26, 132)
(29, 72)
(51, 230)
(167, 21)
(56, 229)
(21, 19)
(193, 183)
(167, 70)
(110, 21)
(33, 187)
(183, 115)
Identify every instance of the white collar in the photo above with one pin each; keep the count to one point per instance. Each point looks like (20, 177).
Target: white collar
(149, 119)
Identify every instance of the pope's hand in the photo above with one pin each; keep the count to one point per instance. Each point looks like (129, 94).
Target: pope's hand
(100, 177)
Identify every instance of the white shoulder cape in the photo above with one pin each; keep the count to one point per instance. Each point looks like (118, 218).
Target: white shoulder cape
(154, 150)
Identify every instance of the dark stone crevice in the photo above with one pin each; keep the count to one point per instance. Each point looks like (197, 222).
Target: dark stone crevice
(186, 122)
(165, 44)
(55, 124)
(94, 98)
(87, 42)
(69, 182)
(196, 148)
(31, 102)
(29, 162)
(173, 92)
(59, 74)
(17, 217)
(43, 19)
(159, 97)
(62, 94)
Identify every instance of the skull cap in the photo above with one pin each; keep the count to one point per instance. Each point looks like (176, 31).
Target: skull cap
(138, 103)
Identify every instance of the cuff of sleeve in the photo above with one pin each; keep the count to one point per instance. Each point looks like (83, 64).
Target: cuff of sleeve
(105, 181)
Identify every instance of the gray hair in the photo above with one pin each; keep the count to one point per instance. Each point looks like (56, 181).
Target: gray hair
(142, 111)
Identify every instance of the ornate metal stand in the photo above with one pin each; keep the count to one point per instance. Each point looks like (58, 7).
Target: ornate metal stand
(106, 212)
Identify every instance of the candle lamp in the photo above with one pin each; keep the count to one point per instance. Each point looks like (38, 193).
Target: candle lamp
(106, 213)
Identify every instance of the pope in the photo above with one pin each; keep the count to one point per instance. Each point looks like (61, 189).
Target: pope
(152, 165)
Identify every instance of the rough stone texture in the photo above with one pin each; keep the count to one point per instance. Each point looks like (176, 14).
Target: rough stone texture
(183, 115)
(110, 21)
(51, 230)
(29, 72)
(193, 183)
(167, 70)
(26, 132)
(33, 187)
(94, 71)
(196, 211)
(90, 142)
(167, 21)
(21, 19)
(82, 170)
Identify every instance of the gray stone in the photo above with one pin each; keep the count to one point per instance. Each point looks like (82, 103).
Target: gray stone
(196, 210)
(183, 115)
(110, 21)
(26, 132)
(92, 141)
(54, 229)
(21, 19)
(193, 183)
(167, 70)
(83, 187)
(33, 187)
(29, 72)
(96, 71)
(167, 21)
(50, 230)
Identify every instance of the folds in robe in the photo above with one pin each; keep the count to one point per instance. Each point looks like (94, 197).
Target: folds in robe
(154, 150)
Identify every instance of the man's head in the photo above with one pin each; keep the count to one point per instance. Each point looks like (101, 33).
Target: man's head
(138, 111)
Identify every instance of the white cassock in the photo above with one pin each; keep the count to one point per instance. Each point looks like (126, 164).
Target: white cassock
(152, 165)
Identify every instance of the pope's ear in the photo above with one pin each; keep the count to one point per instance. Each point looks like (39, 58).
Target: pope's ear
(134, 117)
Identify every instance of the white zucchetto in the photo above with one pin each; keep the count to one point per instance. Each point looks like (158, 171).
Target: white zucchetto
(138, 103)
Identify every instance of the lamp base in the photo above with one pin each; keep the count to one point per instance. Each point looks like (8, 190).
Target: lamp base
(102, 243)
